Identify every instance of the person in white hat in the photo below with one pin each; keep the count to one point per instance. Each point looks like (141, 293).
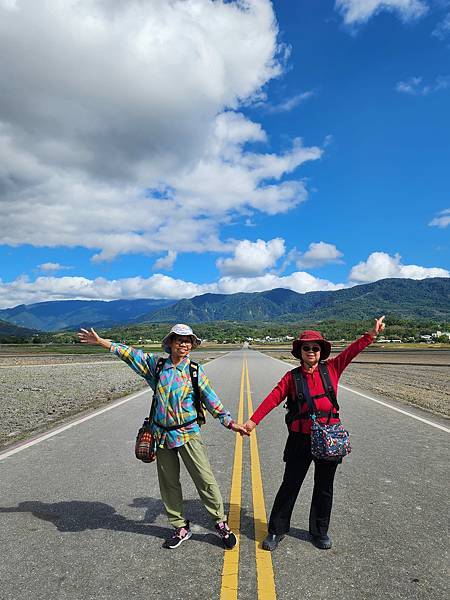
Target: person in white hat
(177, 415)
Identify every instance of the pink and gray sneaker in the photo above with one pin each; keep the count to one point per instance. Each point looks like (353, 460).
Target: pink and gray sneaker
(227, 536)
(180, 535)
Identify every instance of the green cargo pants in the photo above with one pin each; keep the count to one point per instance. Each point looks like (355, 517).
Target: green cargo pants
(197, 464)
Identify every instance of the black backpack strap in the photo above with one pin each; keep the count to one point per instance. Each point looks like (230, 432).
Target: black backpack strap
(173, 427)
(193, 372)
(159, 367)
(304, 395)
(327, 386)
(293, 404)
(307, 395)
(298, 383)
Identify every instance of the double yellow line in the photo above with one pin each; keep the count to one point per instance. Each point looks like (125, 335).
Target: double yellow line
(264, 568)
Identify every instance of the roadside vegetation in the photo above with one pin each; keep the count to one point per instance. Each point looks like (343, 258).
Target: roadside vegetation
(226, 332)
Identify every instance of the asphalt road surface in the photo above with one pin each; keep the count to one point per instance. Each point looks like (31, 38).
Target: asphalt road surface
(81, 518)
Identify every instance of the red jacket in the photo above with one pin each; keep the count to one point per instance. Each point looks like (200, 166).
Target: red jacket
(286, 387)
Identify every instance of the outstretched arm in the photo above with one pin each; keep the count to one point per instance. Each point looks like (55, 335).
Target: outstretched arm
(276, 396)
(92, 337)
(344, 358)
(142, 363)
(214, 405)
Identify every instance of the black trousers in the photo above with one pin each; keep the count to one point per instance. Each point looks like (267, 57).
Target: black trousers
(298, 458)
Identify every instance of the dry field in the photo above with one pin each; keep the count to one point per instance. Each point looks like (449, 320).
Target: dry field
(417, 377)
(40, 390)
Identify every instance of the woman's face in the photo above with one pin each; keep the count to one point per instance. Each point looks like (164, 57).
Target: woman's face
(180, 346)
(310, 353)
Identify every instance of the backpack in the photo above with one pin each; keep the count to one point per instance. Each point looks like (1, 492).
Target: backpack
(328, 442)
(199, 406)
(293, 404)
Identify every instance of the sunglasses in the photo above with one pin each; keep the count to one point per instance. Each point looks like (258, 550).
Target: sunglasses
(180, 341)
(307, 348)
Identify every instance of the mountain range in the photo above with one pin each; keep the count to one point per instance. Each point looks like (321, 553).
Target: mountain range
(9, 329)
(403, 298)
(73, 314)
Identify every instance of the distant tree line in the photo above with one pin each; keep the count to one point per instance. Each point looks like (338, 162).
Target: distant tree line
(238, 332)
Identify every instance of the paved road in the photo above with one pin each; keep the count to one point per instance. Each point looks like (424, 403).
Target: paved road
(80, 518)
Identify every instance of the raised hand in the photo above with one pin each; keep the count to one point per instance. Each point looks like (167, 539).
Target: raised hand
(88, 337)
(378, 327)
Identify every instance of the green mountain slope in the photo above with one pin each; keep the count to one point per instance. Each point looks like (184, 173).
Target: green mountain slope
(9, 329)
(405, 298)
(402, 298)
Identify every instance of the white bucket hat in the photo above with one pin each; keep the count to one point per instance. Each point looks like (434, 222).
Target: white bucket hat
(180, 329)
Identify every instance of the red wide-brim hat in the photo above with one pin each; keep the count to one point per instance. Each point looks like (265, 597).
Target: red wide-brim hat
(311, 336)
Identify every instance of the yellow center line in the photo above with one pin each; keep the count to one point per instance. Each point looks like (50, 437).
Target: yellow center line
(230, 571)
(264, 567)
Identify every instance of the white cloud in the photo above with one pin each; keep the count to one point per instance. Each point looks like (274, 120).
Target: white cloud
(291, 103)
(318, 254)
(442, 29)
(299, 282)
(442, 221)
(381, 265)
(51, 266)
(360, 11)
(129, 129)
(415, 86)
(166, 262)
(252, 258)
(24, 291)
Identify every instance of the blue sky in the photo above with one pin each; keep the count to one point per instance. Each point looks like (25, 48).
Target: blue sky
(168, 149)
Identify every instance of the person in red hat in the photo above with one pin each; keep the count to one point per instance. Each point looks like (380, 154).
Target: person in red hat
(311, 348)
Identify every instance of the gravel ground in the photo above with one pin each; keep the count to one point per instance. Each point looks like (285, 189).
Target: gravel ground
(40, 391)
(426, 387)
(35, 397)
(420, 378)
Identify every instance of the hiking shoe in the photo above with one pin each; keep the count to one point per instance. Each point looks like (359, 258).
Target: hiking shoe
(227, 536)
(323, 542)
(180, 535)
(271, 541)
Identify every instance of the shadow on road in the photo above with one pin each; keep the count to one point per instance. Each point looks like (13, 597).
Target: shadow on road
(77, 515)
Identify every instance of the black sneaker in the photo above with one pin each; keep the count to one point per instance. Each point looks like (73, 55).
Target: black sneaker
(227, 536)
(180, 535)
(323, 542)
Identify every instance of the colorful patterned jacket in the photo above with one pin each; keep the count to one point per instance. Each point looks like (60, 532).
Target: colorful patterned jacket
(174, 395)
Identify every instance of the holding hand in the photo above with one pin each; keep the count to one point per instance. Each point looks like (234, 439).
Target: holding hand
(238, 428)
(249, 426)
(378, 327)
